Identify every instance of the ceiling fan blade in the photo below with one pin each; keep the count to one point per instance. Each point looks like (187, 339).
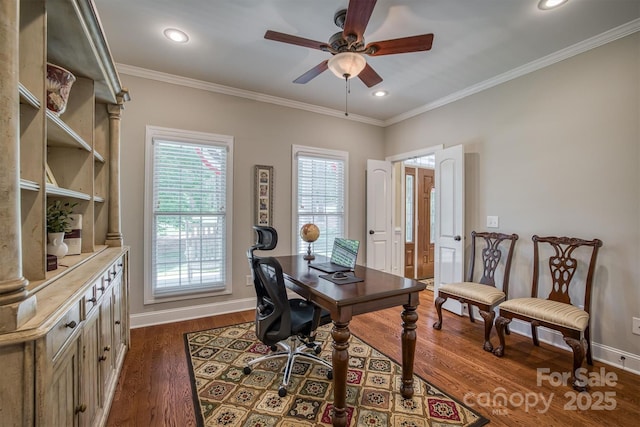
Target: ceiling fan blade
(369, 77)
(298, 41)
(403, 45)
(312, 73)
(358, 14)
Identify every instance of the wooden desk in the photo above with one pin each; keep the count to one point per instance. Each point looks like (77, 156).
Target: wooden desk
(378, 291)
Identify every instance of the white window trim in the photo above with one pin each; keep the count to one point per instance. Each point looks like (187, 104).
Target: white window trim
(297, 150)
(156, 132)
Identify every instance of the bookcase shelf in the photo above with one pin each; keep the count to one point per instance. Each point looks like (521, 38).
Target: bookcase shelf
(53, 190)
(59, 134)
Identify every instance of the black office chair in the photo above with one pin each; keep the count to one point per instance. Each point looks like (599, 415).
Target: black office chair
(280, 319)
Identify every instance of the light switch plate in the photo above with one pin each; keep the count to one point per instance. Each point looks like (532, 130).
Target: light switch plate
(492, 222)
(636, 325)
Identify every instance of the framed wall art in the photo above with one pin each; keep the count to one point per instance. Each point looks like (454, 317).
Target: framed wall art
(264, 195)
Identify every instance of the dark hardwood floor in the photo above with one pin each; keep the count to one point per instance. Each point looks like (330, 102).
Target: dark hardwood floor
(154, 387)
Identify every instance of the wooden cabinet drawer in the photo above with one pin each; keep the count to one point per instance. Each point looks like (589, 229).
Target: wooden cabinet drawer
(119, 265)
(90, 300)
(110, 275)
(59, 334)
(102, 285)
(116, 268)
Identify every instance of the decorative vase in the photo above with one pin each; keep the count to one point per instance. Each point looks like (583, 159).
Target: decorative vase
(59, 82)
(56, 245)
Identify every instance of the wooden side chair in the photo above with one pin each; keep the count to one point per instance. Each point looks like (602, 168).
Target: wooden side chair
(556, 311)
(483, 293)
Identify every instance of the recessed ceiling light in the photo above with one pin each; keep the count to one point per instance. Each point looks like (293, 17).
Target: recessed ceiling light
(176, 35)
(380, 93)
(550, 4)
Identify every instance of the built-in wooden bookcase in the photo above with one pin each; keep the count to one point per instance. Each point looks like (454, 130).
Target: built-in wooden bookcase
(63, 333)
(75, 146)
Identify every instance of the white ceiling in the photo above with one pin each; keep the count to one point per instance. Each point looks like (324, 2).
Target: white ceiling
(477, 43)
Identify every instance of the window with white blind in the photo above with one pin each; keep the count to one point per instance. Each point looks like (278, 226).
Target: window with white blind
(187, 214)
(319, 195)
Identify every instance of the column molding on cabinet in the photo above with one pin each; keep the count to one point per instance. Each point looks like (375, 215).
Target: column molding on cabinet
(114, 231)
(16, 305)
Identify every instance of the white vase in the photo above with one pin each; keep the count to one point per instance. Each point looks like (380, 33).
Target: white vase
(56, 245)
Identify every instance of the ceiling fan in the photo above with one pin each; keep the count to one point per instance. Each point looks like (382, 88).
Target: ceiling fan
(348, 46)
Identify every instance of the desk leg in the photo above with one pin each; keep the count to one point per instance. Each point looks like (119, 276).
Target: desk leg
(409, 319)
(340, 361)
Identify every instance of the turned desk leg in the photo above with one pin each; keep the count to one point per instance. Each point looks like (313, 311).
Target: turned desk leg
(340, 361)
(409, 319)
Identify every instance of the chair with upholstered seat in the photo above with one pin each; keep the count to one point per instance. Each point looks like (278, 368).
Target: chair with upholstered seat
(557, 311)
(282, 323)
(483, 293)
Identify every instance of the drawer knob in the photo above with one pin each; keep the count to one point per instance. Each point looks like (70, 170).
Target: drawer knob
(108, 279)
(102, 288)
(102, 358)
(81, 408)
(92, 299)
(117, 322)
(113, 273)
(71, 324)
(107, 348)
(120, 264)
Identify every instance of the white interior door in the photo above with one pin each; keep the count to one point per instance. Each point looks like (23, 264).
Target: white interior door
(449, 245)
(379, 226)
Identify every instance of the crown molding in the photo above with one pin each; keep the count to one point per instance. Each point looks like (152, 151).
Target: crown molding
(576, 49)
(132, 70)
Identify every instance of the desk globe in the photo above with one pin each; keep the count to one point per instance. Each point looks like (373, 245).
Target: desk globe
(309, 233)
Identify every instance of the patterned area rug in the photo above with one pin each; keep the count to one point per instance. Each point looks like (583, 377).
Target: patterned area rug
(225, 396)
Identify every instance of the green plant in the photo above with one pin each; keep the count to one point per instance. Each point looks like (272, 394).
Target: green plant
(58, 216)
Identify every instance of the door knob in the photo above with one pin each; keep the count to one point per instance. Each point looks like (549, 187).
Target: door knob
(371, 232)
(457, 238)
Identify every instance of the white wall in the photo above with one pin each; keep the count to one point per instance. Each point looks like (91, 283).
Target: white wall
(556, 152)
(263, 135)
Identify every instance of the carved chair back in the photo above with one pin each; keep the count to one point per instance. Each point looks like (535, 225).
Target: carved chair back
(491, 255)
(563, 266)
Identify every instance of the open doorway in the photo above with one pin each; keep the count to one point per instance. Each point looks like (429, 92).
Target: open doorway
(419, 217)
(386, 215)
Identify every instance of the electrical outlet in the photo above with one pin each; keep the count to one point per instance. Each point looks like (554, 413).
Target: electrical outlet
(492, 222)
(636, 325)
(249, 280)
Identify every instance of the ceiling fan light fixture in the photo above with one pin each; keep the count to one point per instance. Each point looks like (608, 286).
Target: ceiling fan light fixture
(347, 64)
(380, 93)
(176, 35)
(550, 4)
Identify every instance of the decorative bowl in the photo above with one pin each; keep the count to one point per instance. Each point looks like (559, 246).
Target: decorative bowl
(59, 82)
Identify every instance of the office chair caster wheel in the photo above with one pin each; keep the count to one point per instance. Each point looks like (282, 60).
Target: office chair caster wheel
(282, 392)
(246, 370)
(317, 350)
(274, 347)
(330, 375)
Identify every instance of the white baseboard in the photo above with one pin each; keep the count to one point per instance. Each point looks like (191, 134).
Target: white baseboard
(192, 312)
(602, 353)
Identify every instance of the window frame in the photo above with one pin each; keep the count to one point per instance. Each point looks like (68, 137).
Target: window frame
(190, 137)
(321, 153)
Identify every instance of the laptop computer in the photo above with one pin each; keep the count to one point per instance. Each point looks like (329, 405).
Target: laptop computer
(343, 256)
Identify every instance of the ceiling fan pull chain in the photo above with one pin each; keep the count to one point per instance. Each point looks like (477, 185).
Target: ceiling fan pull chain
(347, 90)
